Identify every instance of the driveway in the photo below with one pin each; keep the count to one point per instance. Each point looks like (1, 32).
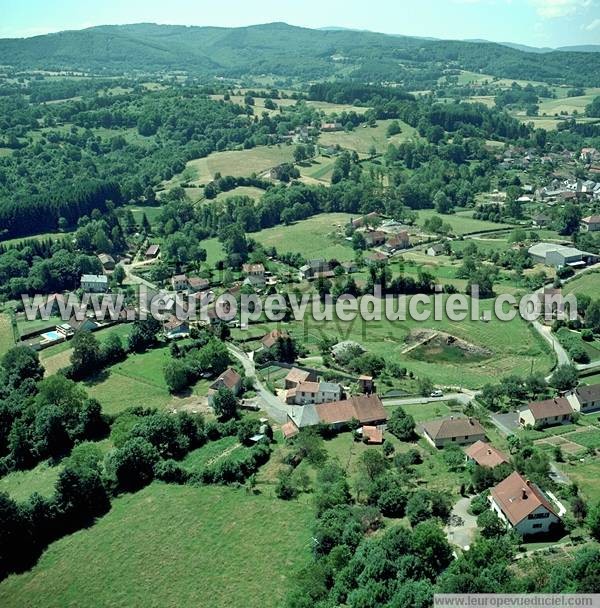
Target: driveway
(462, 526)
(507, 424)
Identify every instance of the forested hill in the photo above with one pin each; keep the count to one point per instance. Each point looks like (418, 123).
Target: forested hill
(285, 50)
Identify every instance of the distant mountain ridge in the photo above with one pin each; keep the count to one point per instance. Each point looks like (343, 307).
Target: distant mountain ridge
(285, 50)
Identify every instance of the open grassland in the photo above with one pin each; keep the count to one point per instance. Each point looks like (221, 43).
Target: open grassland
(20, 485)
(173, 545)
(58, 356)
(566, 104)
(514, 347)
(238, 163)
(586, 475)
(461, 222)
(363, 138)
(138, 380)
(249, 191)
(587, 284)
(151, 212)
(214, 251)
(6, 333)
(318, 170)
(319, 236)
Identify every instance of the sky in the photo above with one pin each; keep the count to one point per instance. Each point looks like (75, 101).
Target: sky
(550, 23)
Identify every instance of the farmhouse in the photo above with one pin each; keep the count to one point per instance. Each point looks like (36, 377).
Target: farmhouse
(330, 127)
(296, 376)
(585, 398)
(196, 284)
(590, 223)
(269, 340)
(485, 455)
(314, 392)
(255, 274)
(152, 252)
(460, 431)
(228, 379)
(588, 155)
(174, 328)
(94, 283)
(312, 268)
(289, 430)
(435, 250)
(397, 242)
(369, 218)
(541, 220)
(179, 282)
(365, 409)
(521, 505)
(374, 238)
(107, 261)
(550, 412)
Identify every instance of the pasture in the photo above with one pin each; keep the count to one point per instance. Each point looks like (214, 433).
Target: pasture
(363, 138)
(587, 284)
(320, 236)
(6, 333)
(514, 347)
(249, 191)
(136, 381)
(20, 485)
(238, 163)
(461, 222)
(171, 545)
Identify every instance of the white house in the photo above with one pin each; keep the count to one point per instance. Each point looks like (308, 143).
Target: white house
(521, 505)
(94, 283)
(585, 398)
(314, 392)
(590, 223)
(458, 431)
(550, 412)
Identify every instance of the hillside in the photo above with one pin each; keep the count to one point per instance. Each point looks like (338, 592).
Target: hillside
(285, 50)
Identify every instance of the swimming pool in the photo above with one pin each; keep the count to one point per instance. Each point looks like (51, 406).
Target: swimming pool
(52, 335)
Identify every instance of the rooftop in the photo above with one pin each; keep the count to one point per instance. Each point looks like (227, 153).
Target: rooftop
(453, 427)
(550, 408)
(518, 498)
(486, 455)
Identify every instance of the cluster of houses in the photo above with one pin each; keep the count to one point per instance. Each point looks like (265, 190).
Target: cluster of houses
(560, 410)
(560, 191)
(518, 502)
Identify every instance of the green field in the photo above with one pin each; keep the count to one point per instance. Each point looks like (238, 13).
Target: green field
(6, 333)
(515, 348)
(315, 237)
(318, 170)
(586, 475)
(251, 192)
(136, 381)
(56, 357)
(173, 546)
(151, 212)
(364, 137)
(238, 163)
(587, 284)
(567, 104)
(20, 485)
(214, 251)
(461, 222)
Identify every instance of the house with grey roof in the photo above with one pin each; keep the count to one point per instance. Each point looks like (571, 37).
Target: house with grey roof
(94, 283)
(585, 399)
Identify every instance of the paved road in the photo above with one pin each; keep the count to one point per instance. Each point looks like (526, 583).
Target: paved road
(462, 530)
(268, 402)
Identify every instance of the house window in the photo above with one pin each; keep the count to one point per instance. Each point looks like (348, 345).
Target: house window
(453, 438)
(536, 526)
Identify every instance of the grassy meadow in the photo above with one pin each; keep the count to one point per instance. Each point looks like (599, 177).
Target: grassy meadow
(363, 138)
(173, 545)
(20, 485)
(315, 237)
(238, 163)
(6, 333)
(461, 222)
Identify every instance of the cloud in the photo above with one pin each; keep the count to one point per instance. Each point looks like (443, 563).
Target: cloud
(552, 9)
(590, 27)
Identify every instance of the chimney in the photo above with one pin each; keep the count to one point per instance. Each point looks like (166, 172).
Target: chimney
(489, 451)
(528, 482)
(471, 421)
(451, 417)
(524, 493)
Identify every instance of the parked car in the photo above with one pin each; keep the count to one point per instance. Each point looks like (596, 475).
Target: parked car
(436, 393)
